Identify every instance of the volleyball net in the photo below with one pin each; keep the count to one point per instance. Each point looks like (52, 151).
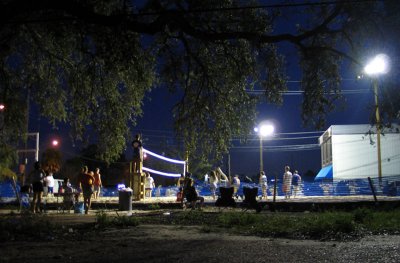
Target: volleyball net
(166, 159)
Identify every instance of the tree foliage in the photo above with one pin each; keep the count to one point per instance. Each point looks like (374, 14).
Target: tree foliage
(51, 160)
(89, 63)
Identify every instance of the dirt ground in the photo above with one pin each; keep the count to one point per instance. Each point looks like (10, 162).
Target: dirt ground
(169, 243)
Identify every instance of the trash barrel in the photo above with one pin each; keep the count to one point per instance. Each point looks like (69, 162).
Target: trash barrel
(125, 200)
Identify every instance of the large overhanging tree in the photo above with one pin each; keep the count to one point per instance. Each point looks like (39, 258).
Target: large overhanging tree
(89, 63)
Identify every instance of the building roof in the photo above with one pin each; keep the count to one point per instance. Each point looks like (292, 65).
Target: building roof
(361, 129)
(356, 129)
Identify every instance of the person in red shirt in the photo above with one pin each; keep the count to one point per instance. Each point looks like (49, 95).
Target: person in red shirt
(86, 180)
(97, 183)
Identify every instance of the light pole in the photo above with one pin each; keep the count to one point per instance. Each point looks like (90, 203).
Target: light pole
(377, 66)
(2, 109)
(263, 130)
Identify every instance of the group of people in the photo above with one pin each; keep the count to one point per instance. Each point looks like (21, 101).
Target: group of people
(290, 180)
(217, 177)
(88, 183)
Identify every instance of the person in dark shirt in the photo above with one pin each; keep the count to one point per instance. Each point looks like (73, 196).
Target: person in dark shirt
(191, 194)
(36, 178)
(137, 154)
(296, 181)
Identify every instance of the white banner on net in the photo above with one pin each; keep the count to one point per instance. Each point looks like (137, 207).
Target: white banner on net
(165, 159)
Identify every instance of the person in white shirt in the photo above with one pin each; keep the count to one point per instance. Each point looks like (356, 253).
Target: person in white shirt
(213, 184)
(149, 184)
(236, 185)
(263, 181)
(287, 182)
(49, 179)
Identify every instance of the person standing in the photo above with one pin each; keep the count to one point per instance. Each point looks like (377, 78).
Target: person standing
(296, 182)
(149, 184)
(36, 178)
(86, 184)
(287, 182)
(236, 185)
(263, 181)
(213, 183)
(49, 179)
(137, 154)
(97, 183)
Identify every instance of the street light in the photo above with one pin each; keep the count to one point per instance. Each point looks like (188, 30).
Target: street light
(375, 67)
(55, 142)
(263, 130)
(2, 109)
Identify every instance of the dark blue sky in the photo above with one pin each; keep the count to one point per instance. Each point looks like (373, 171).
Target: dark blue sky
(156, 123)
(156, 126)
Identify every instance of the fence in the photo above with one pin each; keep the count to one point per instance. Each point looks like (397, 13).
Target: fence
(390, 186)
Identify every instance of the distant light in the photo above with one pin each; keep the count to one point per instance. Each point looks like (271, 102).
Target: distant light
(256, 129)
(266, 130)
(378, 65)
(144, 155)
(2, 107)
(54, 142)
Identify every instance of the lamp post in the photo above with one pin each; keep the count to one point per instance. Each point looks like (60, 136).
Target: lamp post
(263, 130)
(2, 109)
(377, 66)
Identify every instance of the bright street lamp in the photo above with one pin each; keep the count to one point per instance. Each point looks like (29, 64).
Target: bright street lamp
(375, 67)
(55, 142)
(263, 130)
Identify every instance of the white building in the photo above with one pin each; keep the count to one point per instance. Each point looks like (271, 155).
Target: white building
(350, 151)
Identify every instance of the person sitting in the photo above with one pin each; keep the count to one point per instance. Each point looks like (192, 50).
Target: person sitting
(192, 196)
(68, 195)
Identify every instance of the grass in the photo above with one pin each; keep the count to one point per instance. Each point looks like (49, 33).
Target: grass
(323, 226)
(332, 225)
(103, 220)
(326, 225)
(25, 226)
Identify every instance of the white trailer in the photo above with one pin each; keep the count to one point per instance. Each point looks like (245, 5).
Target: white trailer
(350, 152)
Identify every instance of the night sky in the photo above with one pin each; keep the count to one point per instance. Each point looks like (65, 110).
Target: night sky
(156, 124)
(354, 108)
(156, 128)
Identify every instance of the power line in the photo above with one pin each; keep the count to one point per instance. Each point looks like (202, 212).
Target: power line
(301, 92)
(239, 8)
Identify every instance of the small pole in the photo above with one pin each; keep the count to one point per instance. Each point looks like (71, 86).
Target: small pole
(275, 189)
(372, 189)
(378, 130)
(187, 161)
